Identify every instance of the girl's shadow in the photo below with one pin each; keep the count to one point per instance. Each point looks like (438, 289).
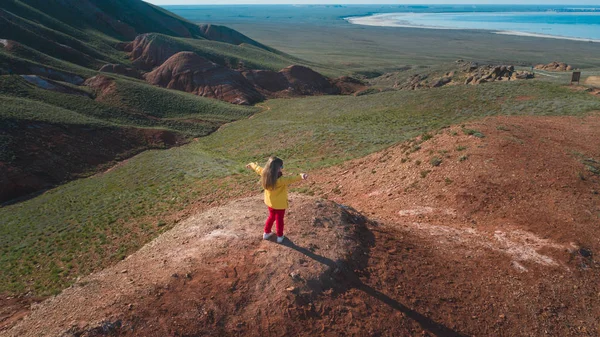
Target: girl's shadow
(351, 280)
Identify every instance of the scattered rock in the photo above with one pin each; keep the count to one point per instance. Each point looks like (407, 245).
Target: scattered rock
(414, 82)
(469, 73)
(554, 66)
(585, 252)
(295, 275)
(522, 75)
(441, 82)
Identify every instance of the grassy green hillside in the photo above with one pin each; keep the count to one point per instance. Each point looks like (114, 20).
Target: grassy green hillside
(49, 137)
(46, 242)
(132, 104)
(86, 33)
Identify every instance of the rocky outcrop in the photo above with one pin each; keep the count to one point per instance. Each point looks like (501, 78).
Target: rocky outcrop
(554, 66)
(468, 73)
(441, 82)
(121, 70)
(413, 82)
(492, 73)
(187, 71)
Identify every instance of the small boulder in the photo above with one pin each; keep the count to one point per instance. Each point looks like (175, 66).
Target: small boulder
(554, 66)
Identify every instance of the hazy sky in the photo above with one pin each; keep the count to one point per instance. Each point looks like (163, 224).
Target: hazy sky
(444, 2)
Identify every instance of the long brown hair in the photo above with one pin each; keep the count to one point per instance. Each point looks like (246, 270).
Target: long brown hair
(270, 173)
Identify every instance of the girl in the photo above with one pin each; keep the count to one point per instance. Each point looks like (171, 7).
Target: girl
(275, 186)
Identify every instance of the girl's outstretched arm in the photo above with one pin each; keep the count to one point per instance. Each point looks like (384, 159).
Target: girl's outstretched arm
(255, 167)
(293, 179)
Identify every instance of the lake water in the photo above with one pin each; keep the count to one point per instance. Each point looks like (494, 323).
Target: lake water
(570, 23)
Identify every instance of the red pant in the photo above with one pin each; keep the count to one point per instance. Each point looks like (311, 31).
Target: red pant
(275, 215)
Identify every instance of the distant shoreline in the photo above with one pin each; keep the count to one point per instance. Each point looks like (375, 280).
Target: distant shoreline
(515, 33)
(386, 20)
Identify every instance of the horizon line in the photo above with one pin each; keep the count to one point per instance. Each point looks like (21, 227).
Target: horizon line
(368, 4)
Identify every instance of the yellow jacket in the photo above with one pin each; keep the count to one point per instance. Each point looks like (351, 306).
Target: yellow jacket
(277, 198)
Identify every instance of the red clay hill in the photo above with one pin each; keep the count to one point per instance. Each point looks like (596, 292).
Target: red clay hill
(171, 66)
(187, 71)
